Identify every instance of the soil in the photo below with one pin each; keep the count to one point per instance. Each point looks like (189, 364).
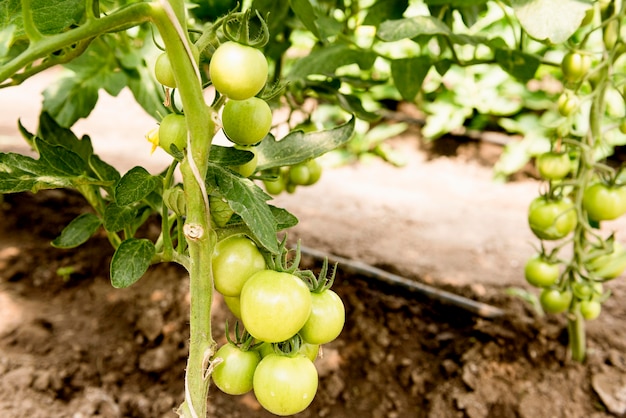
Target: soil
(73, 346)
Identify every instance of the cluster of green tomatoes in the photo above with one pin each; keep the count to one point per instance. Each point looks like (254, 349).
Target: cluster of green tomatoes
(239, 73)
(287, 315)
(581, 195)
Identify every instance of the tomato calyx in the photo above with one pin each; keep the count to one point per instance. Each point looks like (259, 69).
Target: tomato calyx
(236, 27)
(241, 338)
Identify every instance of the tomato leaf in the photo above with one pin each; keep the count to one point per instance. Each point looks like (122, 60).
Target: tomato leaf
(130, 261)
(229, 156)
(305, 12)
(327, 59)
(298, 146)
(135, 185)
(19, 173)
(49, 16)
(383, 10)
(55, 134)
(551, 20)
(118, 217)
(409, 74)
(520, 65)
(78, 231)
(284, 219)
(247, 200)
(60, 159)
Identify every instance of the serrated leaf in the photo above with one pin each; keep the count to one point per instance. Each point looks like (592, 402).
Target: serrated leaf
(131, 261)
(409, 28)
(49, 16)
(103, 171)
(304, 10)
(383, 10)
(551, 20)
(135, 185)
(520, 65)
(118, 217)
(55, 134)
(229, 156)
(247, 200)
(78, 231)
(20, 173)
(284, 219)
(298, 146)
(326, 60)
(60, 159)
(409, 74)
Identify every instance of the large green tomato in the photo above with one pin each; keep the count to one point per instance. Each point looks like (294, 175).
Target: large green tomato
(554, 301)
(234, 305)
(540, 272)
(235, 260)
(609, 266)
(173, 131)
(246, 122)
(234, 375)
(551, 219)
(603, 202)
(327, 317)
(274, 306)
(285, 385)
(238, 71)
(553, 165)
(575, 66)
(590, 309)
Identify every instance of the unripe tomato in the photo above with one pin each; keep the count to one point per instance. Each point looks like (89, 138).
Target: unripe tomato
(568, 103)
(234, 305)
(553, 165)
(540, 272)
(274, 305)
(173, 131)
(590, 309)
(163, 71)
(246, 122)
(551, 219)
(603, 202)
(221, 211)
(326, 320)
(575, 66)
(249, 168)
(587, 291)
(238, 71)
(235, 260)
(285, 385)
(554, 301)
(622, 127)
(315, 171)
(235, 374)
(299, 174)
(275, 187)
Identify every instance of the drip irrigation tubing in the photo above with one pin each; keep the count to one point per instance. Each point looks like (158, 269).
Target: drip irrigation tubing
(358, 267)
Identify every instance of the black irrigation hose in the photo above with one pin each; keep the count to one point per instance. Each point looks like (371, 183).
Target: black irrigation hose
(357, 267)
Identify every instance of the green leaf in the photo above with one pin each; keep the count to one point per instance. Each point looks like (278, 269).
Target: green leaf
(118, 217)
(49, 16)
(78, 231)
(409, 74)
(284, 219)
(135, 185)
(298, 146)
(551, 20)
(6, 40)
(248, 201)
(147, 92)
(409, 28)
(520, 65)
(19, 173)
(131, 261)
(305, 12)
(60, 159)
(383, 10)
(55, 134)
(326, 60)
(103, 171)
(229, 156)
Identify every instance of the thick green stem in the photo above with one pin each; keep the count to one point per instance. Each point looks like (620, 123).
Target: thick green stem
(576, 333)
(198, 232)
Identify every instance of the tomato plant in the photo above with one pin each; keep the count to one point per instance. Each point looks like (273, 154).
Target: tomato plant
(285, 385)
(274, 305)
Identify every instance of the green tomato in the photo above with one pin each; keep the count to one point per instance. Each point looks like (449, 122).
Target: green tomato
(568, 103)
(274, 305)
(235, 374)
(249, 168)
(315, 172)
(609, 266)
(622, 127)
(173, 131)
(238, 71)
(327, 317)
(235, 260)
(553, 165)
(234, 305)
(603, 202)
(554, 301)
(163, 71)
(540, 272)
(285, 385)
(575, 66)
(275, 187)
(299, 174)
(246, 122)
(587, 291)
(551, 219)
(590, 309)
(221, 211)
